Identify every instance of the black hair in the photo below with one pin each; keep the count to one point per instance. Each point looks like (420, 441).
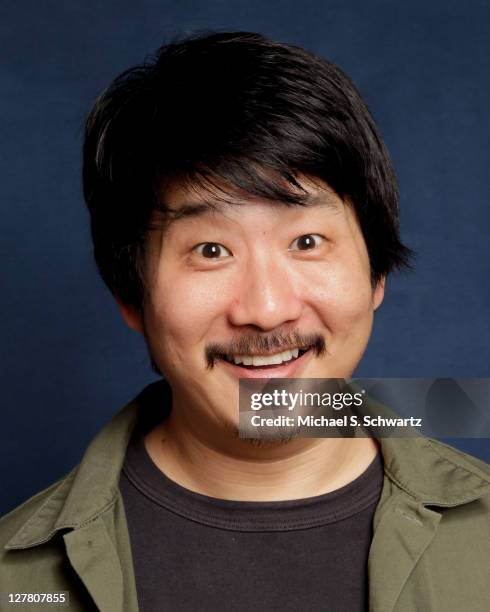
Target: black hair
(231, 108)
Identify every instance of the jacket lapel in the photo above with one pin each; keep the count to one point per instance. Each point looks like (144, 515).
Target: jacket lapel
(94, 558)
(403, 533)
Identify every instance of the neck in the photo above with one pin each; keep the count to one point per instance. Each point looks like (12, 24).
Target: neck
(227, 467)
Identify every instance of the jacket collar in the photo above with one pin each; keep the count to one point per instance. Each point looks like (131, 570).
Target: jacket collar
(431, 473)
(92, 486)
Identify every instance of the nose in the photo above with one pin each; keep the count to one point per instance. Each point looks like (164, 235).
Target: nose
(266, 297)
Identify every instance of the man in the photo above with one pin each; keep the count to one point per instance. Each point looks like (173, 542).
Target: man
(244, 214)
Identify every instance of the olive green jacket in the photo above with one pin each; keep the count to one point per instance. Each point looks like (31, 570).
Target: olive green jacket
(430, 550)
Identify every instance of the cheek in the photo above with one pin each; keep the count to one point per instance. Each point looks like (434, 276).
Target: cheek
(183, 309)
(340, 292)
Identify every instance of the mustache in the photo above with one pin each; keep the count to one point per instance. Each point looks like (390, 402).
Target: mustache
(264, 344)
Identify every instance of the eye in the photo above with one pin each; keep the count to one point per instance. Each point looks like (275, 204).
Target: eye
(306, 242)
(212, 250)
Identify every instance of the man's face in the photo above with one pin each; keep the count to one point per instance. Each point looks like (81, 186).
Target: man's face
(248, 281)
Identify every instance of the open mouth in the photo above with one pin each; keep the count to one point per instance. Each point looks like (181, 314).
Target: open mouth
(262, 362)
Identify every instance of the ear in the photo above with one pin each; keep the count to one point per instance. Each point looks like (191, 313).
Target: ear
(379, 292)
(131, 316)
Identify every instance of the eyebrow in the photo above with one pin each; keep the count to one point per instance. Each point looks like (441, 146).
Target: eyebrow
(190, 209)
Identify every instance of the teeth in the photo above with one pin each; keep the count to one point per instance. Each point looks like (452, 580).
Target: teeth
(262, 360)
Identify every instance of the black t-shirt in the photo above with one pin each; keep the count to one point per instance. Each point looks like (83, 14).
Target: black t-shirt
(199, 553)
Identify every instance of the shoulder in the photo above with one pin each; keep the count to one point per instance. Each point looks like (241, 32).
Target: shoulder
(33, 554)
(437, 476)
(461, 459)
(79, 496)
(13, 521)
(464, 481)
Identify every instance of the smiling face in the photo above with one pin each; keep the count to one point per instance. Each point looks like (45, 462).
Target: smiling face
(254, 289)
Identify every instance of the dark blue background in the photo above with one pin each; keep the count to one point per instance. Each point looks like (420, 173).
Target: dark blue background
(68, 362)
